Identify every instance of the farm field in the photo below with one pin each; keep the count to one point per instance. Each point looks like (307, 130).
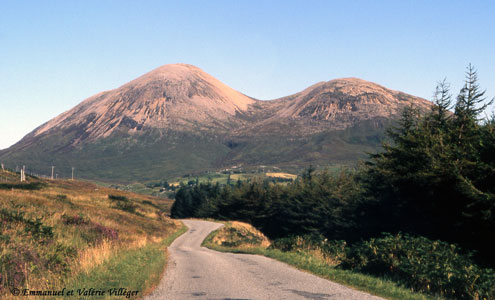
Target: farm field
(165, 188)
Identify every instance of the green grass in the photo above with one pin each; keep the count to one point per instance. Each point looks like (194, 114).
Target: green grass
(220, 178)
(136, 270)
(315, 265)
(212, 177)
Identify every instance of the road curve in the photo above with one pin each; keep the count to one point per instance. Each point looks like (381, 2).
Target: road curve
(195, 272)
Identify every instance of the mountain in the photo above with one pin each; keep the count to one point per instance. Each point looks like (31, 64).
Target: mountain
(176, 97)
(336, 105)
(178, 119)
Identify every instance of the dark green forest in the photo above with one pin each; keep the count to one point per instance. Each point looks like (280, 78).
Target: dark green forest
(420, 212)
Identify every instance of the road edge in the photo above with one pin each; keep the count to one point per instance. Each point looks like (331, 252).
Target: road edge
(165, 243)
(358, 281)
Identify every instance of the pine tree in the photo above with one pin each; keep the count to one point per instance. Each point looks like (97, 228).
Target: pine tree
(443, 103)
(437, 176)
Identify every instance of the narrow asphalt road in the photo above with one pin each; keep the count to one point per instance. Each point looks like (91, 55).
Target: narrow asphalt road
(195, 272)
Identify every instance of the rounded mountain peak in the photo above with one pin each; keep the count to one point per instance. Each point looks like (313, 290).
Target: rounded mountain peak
(176, 96)
(343, 101)
(172, 72)
(354, 86)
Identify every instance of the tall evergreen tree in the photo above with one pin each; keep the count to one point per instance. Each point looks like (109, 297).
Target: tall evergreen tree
(437, 176)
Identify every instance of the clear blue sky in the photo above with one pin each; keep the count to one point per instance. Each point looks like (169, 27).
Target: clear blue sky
(54, 54)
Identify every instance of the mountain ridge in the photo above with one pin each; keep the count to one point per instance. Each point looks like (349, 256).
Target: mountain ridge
(181, 112)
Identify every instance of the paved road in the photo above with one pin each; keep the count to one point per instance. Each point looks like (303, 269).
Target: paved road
(195, 272)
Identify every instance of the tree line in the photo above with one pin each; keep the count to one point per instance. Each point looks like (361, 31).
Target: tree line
(435, 177)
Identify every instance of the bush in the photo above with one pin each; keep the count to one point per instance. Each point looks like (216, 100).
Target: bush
(107, 232)
(126, 206)
(74, 220)
(117, 198)
(147, 202)
(285, 244)
(58, 257)
(31, 226)
(332, 250)
(426, 266)
(37, 229)
(12, 265)
(122, 203)
(21, 186)
(92, 232)
(95, 233)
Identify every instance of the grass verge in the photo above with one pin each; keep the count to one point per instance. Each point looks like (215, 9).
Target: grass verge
(133, 270)
(317, 266)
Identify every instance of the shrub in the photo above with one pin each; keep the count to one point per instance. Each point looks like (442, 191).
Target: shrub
(285, 244)
(34, 227)
(147, 202)
(11, 215)
(117, 198)
(61, 197)
(74, 220)
(122, 203)
(332, 250)
(21, 186)
(105, 232)
(126, 206)
(426, 266)
(95, 233)
(64, 199)
(59, 256)
(37, 229)
(13, 265)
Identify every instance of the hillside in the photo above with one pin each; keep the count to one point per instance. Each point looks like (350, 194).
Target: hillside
(54, 233)
(177, 119)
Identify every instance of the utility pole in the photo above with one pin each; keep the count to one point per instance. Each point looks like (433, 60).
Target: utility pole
(22, 174)
(72, 173)
(53, 167)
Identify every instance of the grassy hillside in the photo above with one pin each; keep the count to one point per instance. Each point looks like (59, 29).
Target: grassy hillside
(164, 154)
(121, 157)
(74, 234)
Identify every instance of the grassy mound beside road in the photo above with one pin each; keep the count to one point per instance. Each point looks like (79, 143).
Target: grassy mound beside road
(239, 234)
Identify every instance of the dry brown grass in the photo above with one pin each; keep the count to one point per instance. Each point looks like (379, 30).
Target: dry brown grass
(240, 234)
(281, 175)
(302, 245)
(103, 232)
(94, 256)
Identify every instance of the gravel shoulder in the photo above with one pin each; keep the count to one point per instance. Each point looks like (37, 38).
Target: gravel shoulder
(195, 272)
